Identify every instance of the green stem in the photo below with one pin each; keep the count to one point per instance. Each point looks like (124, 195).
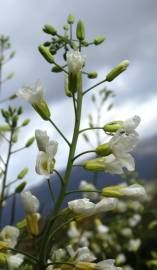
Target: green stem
(51, 191)
(60, 263)
(92, 87)
(24, 253)
(92, 128)
(83, 153)
(68, 170)
(81, 191)
(18, 150)
(60, 177)
(5, 174)
(62, 135)
(13, 207)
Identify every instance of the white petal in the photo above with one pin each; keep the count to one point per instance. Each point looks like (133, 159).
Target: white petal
(51, 148)
(131, 123)
(127, 161)
(106, 204)
(43, 164)
(84, 254)
(82, 206)
(30, 202)
(42, 139)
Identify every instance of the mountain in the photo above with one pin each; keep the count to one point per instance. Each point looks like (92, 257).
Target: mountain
(146, 161)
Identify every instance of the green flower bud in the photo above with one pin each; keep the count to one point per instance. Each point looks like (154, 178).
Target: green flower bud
(70, 19)
(98, 40)
(94, 165)
(20, 187)
(29, 142)
(113, 191)
(74, 82)
(49, 29)
(65, 27)
(46, 54)
(92, 75)
(113, 126)
(56, 69)
(20, 110)
(13, 96)
(103, 150)
(26, 122)
(42, 109)
(80, 31)
(117, 70)
(5, 128)
(22, 174)
(15, 120)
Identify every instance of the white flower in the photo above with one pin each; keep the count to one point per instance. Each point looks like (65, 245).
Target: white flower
(84, 254)
(106, 204)
(86, 208)
(59, 254)
(30, 202)
(134, 244)
(134, 220)
(75, 61)
(42, 139)
(32, 95)
(127, 232)
(121, 144)
(82, 206)
(10, 234)
(14, 261)
(73, 232)
(134, 191)
(100, 227)
(84, 185)
(120, 258)
(45, 159)
(107, 265)
(131, 124)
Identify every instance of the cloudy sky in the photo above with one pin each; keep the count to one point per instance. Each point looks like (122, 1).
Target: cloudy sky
(130, 30)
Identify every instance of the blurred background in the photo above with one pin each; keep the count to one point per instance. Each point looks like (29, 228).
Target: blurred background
(130, 31)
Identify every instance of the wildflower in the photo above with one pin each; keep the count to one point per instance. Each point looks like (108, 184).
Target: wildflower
(31, 207)
(134, 220)
(86, 208)
(35, 96)
(108, 164)
(120, 259)
(133, 191)
(30, 202)
(84, 254)
(9, 235)
(73, 232)
(134, 244)
(14, 261)
(101, 228)
(84, 185)
(75, 61)
(47, 150)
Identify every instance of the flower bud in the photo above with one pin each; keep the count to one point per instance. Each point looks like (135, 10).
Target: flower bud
(22, 174)
(26, 122)
(29, 142)
(70, 19)
(98, 40)
(46, 54)
(92, 75)
(56, 69)
(5, 128)
(94, 165)
(4, 245)
(113, 126)
(42, 109)
(14, 120)
(20, 187)
(103, 150)
(80, 31)
(117, 70)
(20, 110)
(13, 96)
(49, 29)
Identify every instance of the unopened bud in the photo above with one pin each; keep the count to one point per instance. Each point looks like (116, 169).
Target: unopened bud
(26, 122)
(20, 110)
(46, 54)
(13, 96)
(33, 223)
(98, 40)
(20, 187)
(103, 150)
(56, 69)
(49, 29)
(117, 70)
(70, 19)
(29, 142)
(92, 75)
(14, 120)
(80, 31)
(22, 174)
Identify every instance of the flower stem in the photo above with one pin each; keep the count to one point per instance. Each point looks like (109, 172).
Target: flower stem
(83, 153)
(92, 87)
(62, 135)
(92, 128)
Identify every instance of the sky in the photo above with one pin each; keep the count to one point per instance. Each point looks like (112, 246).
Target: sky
(130, 30)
